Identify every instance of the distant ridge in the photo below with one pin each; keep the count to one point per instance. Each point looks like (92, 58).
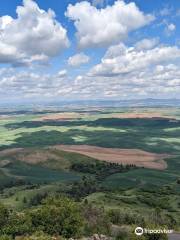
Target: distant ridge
(61, 105)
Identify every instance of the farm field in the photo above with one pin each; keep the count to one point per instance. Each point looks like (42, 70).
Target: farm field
(131, 157)
(121, 156)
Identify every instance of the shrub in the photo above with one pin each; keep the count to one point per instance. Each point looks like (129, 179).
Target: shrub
(61, 216)
(4, 214)
(5, 237)
(18, 224)
(125, 217)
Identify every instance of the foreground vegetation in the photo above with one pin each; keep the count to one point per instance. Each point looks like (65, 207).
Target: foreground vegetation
(63, 217)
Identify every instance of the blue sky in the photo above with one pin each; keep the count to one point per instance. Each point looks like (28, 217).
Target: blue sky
(98, 49)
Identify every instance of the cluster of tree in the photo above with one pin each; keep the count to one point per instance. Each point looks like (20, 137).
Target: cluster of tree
(101, 169)
(11, 183)
(37, 199)
(162, 202)
(83, 188)
(56, 216)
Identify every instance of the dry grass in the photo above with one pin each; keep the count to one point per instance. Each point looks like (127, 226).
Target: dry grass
(141, 115)
(29, 155)
(60, 116)
(10, 152)
(122, 156)
(115, 155)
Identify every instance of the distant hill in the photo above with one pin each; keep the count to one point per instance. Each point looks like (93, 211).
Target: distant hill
(94, 104)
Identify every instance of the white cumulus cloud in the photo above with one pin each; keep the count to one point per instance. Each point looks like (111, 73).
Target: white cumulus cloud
(62, 73)
(34, 35)
(146, 43)
(97, 27)
(78, 59)
(171, 27)
(120, 59)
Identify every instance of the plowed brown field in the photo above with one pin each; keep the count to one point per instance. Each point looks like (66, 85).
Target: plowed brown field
(116, 155)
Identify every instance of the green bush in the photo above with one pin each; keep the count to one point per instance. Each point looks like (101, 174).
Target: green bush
(125, 217)
(18, 224)
(5, 237)
(4, 214)
(56, 216)
(61, 216)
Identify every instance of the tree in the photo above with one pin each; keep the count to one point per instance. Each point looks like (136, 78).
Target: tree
(61, 216)
(18, 224)
(178, 181)
(4, 214)
(24, 200)
(37, 199)
(83, 188)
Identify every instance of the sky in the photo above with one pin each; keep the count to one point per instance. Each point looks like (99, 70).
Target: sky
(84, 50)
